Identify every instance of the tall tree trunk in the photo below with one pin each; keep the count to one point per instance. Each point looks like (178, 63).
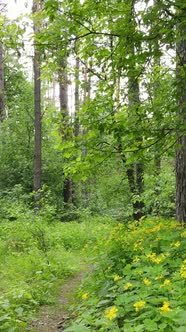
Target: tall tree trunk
(63, 97)
(181, 93)
(2, 84)
(76, 189)
(135, 171)
(37, 108)
(157, 158)
(77, 99)
(86, 98)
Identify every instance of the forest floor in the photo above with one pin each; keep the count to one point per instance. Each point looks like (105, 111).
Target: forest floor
(53, 318)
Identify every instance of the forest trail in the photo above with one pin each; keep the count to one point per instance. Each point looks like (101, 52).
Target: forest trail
(52, 318)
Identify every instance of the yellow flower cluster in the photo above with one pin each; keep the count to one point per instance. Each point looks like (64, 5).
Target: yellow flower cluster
(137, 245)
(111, 313)
(183, 269)
(154, 229)
(127, 286)
(146, 281)
(116, 278)
(166, 283)
(165, 308)
(136, 259)
(85, 296)
(160, 276)
(139, 305)
(153, 258)
(176, 244)
(183, 234)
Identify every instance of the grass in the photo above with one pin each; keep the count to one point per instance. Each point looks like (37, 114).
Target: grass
(35, 255)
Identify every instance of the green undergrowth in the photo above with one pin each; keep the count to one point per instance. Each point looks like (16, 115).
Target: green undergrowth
(35, 255)
(139, 280)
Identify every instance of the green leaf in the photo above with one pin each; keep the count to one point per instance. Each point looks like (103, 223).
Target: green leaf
(181, 329)
(77, 328)
(4, 317)
(150, 325)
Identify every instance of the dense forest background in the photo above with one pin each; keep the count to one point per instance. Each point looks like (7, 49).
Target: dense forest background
(101, 126)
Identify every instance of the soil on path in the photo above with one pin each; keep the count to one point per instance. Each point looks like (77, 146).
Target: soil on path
(54, 318)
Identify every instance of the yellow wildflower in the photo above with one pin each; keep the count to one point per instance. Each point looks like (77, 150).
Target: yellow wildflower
(183, 269)
(183, 234)
(127, 285)
(85, 296)
(160, 276)
(183, 273)
(111, 313)
(153, 258)
(155, 229)
(136, 259)
(165, 308)
(166, 283)
(139, 305)
(147, 282)
(135, 246)
(177, 244)
(116, 278)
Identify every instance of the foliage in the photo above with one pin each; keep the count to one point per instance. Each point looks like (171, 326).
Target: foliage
(16, 131)
(138, 282)
(159, 189)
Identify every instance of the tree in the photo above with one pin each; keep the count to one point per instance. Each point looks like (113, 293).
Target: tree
(63, 97)
(181, 93)
(17, 129)
(2, 92)
(37, 105)
(2, 87)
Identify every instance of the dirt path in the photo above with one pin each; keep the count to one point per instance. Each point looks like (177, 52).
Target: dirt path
(53, 318)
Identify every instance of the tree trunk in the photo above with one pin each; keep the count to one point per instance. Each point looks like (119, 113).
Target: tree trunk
(135, 171)
(157, 158)
(181, 152)
(77, 99)
(2, 84)
(63, 97)
(37, 109)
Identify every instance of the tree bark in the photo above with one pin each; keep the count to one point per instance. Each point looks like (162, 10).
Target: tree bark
(2, 84)
(63, 97)
(37, 109)
(135, 171)
(77, 99)
(181, 151)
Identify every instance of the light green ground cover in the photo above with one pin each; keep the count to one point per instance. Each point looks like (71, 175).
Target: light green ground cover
(35, 255)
